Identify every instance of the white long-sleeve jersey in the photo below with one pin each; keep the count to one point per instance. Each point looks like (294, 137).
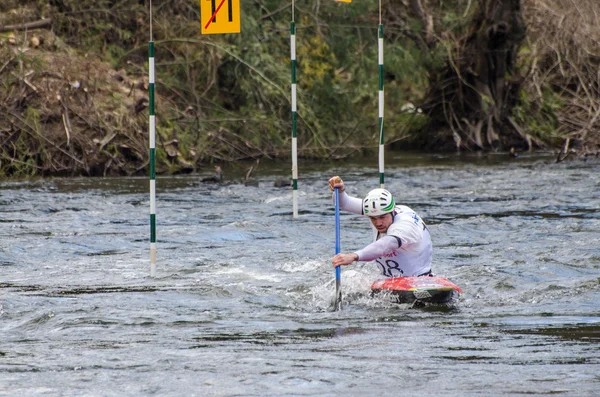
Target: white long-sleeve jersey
(403, 250)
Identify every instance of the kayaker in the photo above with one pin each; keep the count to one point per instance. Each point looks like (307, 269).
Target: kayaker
(401, 245)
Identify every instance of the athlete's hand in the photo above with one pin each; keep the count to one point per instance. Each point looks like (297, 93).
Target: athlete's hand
(336, 181)
(344, 259)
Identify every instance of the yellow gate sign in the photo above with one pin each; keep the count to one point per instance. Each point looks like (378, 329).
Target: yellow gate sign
(220, 16)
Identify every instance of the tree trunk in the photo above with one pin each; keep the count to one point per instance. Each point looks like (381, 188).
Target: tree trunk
(470, 100)
(426, 20)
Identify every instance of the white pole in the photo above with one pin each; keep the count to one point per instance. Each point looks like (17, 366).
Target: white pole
(381, 101)
(294, 110)
(152, 136)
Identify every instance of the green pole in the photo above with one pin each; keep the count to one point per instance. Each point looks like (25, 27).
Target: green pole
(152, 136)
(294, 109)
(381, 106)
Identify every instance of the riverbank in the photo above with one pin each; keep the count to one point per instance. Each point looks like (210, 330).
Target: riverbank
(75, 87)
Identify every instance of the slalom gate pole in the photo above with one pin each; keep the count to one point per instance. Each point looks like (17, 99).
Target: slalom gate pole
(381, 101)
(294, 109)
(152, 138)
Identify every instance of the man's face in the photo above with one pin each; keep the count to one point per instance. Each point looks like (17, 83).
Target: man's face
(382, 222)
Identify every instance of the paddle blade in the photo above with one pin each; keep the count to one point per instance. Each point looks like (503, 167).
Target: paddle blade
(338, 289)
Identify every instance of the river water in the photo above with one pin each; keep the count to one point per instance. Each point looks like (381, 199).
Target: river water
(242, 301)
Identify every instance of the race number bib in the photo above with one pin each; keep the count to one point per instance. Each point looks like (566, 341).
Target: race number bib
(389, 267)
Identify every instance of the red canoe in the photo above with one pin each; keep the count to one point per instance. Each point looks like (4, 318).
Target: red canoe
(424, 289)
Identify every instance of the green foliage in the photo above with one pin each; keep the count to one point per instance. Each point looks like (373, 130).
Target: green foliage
(228, 97)
(539, 118)
(18, 155)
(316, 62)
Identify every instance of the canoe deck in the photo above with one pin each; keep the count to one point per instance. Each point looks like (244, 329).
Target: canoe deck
(422, 289)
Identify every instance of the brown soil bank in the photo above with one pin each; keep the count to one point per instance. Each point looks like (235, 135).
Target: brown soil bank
(472, 76)
(65, 112)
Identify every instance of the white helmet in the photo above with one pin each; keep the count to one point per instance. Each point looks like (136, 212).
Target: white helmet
(378, 202)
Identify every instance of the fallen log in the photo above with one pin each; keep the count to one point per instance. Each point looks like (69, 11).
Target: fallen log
(42, 23)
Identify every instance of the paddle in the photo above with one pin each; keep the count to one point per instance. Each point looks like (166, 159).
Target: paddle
(338, 278)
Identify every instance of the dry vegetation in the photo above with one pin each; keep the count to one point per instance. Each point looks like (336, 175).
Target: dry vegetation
(564, 61)
(64, 112)
(66, 109)
(71, 115)
(524, 75)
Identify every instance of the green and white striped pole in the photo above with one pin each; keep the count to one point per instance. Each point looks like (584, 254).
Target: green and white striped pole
(294, 109)
(152, 135)
(381, 102)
